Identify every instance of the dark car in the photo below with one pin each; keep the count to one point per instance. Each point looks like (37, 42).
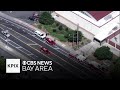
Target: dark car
(50, 41)
(45, 50)
(31, 18)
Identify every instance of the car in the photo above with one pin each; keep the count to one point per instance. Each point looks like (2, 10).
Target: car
(31, 18)
(50, 41)
(5, 33)
(36, 15)
(39, 34)
(45, 50)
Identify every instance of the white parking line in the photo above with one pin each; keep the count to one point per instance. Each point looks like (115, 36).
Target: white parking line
(56, 48)
(19, 47)
(30, 54)
(12, 24)
(32, 44)
(2, 28)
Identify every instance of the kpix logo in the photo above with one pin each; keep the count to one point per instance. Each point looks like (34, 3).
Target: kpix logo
(12, 65)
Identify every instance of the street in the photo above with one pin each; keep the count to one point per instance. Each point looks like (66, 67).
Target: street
(23, 40)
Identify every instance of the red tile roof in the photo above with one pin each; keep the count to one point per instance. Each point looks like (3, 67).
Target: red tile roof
(99, 14)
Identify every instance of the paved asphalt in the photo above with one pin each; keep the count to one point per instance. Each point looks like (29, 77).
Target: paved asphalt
(22, 15)
(30, 44)
(6, 54)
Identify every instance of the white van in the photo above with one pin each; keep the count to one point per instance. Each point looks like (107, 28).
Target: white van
(39, 34)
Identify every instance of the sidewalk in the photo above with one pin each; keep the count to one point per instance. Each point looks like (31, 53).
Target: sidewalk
(12, 51)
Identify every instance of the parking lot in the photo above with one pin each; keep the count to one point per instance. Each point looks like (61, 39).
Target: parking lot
(22, 15)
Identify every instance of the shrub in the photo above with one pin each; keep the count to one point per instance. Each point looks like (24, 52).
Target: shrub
(54, 30)
(66, 29)
(103, 53)
(60, 27)
(46, 18)
(57, 24)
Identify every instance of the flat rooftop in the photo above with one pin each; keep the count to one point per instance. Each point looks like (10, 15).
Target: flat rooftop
(99, 14)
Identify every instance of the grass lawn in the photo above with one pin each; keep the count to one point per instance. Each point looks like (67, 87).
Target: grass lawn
(58, 34)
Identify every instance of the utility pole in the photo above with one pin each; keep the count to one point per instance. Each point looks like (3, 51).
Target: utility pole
(119, 33)
(77, 36)
(73, 39)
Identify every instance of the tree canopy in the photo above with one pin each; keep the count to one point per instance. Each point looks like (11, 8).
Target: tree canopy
(46, 18)
(72, 35)
(103, 53)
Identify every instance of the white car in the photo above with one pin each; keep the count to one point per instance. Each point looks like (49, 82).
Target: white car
(41, 35)
(5, 33)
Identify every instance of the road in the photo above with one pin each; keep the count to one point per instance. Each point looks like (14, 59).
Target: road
(23, 39)
(22, 15)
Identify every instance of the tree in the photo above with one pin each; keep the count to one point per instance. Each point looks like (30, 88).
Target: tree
(46, 18)
(60, 27)
(79, 36)
(73, 34)
(103, 53)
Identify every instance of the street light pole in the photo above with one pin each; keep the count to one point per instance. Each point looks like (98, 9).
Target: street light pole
(77, 36)
(119, 33)
(73, 39)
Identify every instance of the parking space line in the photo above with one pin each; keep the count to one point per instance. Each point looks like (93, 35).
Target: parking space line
(30, 54)
(2, 28)
(33, 44)
(18, 47)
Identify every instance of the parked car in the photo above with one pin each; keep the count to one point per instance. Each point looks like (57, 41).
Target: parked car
(50, 41)
(31, 18)
(39, 34)
(5, 33)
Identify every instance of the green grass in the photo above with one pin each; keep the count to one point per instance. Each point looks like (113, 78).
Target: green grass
(58, 34)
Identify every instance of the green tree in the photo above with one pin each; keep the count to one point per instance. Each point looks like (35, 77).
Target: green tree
(46, 18)
(103, 53)
(60, 27)
(70, 33)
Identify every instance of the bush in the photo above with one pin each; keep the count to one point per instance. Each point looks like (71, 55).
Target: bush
(60, 27)
(66, 29)
(57, 24)
(103, 53)
(54, 30)
(46, 18)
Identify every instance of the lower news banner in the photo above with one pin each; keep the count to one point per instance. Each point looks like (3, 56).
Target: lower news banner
(37, 66)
